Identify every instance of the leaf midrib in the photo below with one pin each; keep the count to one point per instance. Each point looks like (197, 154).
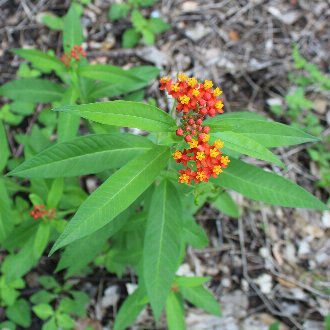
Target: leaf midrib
(257, 153)
(75, 157)
(115, 195)
(161, 240)
(263, 187)
(81, 112)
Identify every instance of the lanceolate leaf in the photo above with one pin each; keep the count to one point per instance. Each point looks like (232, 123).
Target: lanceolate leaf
(32, 90)
(68, 124)
(114, 195)
(120, 81)
(175, 312)
(226, 205)
(201, 298)
(130, 310)
(162, 244)
(40, 59)
(269, 134)
(268, 187)
(72, 33)
(4, 148)
(109, 73)
(84, 155)
(124, 113)
(245, 145)
(6, 218)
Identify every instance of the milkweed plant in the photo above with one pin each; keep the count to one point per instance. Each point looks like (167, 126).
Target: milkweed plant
(141, 215)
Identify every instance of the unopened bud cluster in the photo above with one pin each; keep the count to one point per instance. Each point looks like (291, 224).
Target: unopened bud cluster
(75, 54)
(39, 211)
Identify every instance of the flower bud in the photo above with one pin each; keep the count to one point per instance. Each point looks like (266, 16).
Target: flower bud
(206, 129)
(179, 132)
(188, 138)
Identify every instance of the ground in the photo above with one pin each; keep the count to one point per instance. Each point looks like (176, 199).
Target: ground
(272, 263)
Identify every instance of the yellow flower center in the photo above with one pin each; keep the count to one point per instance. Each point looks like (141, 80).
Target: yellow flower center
(195, 92)
(184, 178)
(218, 144)
(217, 169)
(177, 154)
(206, 138)
(200, 176)
(164, 80)
(200, 155)
(208, 84)
(175, 87)
(217, 92)
(192, 82)
(225, 160)
(219, 105)
(182, 77)
(184, 99)
(193, 144)
(214, 152)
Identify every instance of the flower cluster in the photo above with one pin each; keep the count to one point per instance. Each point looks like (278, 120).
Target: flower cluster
(76, 53)
(194, 101)
(39, 211)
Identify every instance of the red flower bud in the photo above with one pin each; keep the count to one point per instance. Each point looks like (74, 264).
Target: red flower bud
(203, 111)
(193, 132)
(191, 121)
(206, 129)
(199, 121)
(187, 128)
(179, 132)
(188, 138)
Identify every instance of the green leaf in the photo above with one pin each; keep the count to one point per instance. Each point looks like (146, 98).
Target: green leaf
(247, 146)
(48, 282)
(202, 298)
(130, 310)
(84, 155)
(32, 90)
(50, 325)
(226, 205)
(4, 154)
(68, 124)
(40, 59)
(148, 36)
(194, 234)
(6, 215)
(175, 312)
(268, 187)
(114, 195)
(109, 73)
(274, 326)
(113, 83)
(53, 22)
(162, 244)
(65, 321)
(55, 194)
(157, 25)
(41, 239)
(43, 311)
(118, 11)
(72, 32)
(7, 325)
(191, 281)
(243, 115)
(124, 113)
(20, 313)
(269, 134)
(131, 38)
(42, 297)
